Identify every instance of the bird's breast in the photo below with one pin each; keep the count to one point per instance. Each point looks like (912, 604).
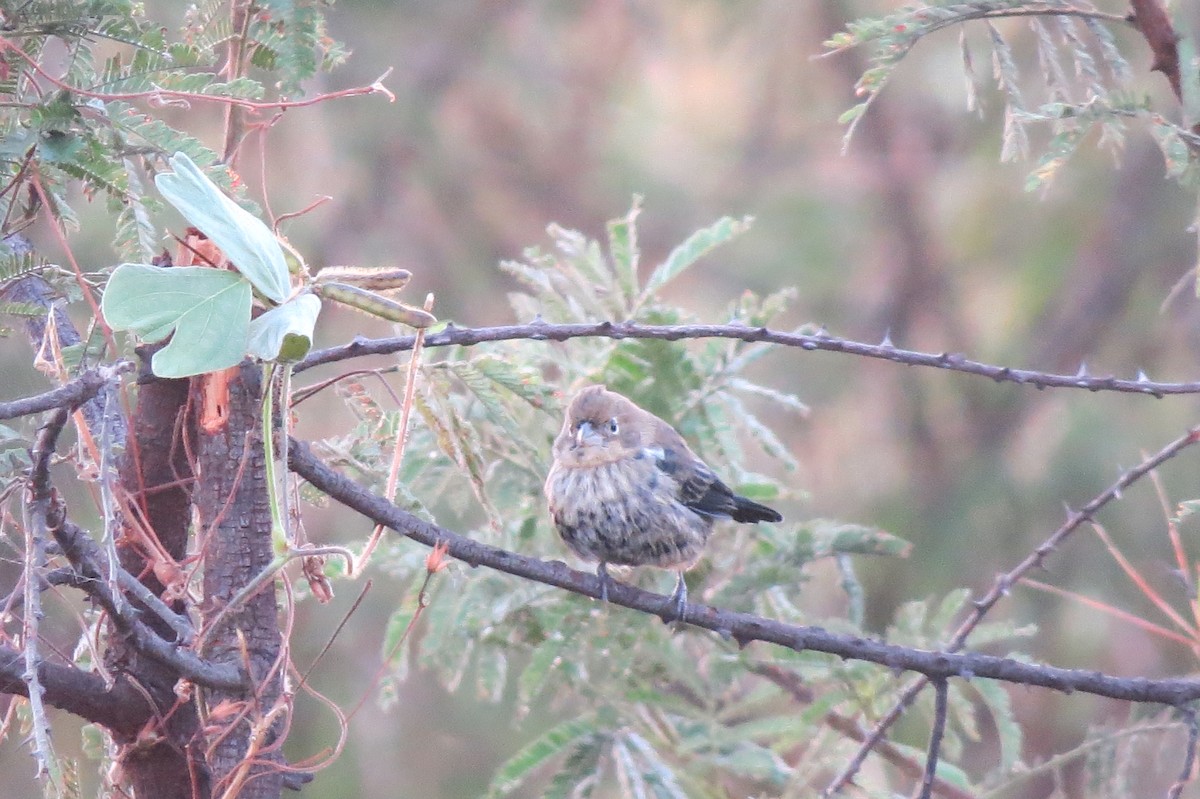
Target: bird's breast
(624, 512)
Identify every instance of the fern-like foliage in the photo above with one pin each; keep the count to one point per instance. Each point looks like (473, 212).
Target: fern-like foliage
(1077, 82)
(89, 129)
(635, 708)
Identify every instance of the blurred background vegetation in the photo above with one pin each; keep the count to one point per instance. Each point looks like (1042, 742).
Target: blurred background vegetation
(512, 115)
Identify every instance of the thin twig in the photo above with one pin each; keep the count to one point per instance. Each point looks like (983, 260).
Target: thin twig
(909, 766)
(1109, 610)
(1189, 756)
(1151, 19)
(1182, 561)
(35, 558)
(1001, 587)
(940, 702)
(885, 350)
(183, 98)
(1140, 583)
(410, 389)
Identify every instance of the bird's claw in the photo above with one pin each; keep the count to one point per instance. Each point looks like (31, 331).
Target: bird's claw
(677, 603)
(602, 573)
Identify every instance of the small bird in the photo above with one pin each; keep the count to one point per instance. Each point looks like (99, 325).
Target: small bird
(625, 489)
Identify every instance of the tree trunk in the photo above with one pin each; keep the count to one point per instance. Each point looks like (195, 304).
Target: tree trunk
(156, 476)
(234, 538)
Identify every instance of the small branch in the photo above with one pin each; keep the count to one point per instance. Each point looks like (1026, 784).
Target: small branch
(163, 95)
(410, 390)
(179, 623)
(885, 350)
(80, 550)
(792, 683)
(1189, 756)
(941, 694)
(69, 395)
(740, 627)
(1028, 10)
(1056, 11)
(34, 561)
(1003, 584)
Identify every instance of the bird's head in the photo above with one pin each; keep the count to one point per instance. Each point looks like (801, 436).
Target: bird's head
(601, 426)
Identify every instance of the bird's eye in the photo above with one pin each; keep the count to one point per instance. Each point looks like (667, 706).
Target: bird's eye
(612, 426)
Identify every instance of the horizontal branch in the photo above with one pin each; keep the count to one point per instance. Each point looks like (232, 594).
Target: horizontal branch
(885, 350)
(68, 395)
(120, 707)
(741, 627)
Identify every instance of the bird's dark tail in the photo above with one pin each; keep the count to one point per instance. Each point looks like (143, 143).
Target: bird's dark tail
(747, 510)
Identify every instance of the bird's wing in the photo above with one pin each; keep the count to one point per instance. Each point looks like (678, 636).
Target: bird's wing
(699, 488)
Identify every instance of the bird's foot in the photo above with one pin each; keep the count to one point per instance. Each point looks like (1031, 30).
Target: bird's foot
(602, 573)
(677, 603)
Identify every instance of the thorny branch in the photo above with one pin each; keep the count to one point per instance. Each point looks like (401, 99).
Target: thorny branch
(745, 627)
(884, 350)
(940, 707)
(935, 666)
(79, 548)
(907, 765)
(1001, 587)
(72, 394)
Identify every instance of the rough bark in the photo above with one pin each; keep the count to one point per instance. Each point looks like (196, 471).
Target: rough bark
(156, 477)
(234, 538)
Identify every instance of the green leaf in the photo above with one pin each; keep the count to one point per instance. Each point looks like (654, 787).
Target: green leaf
(580, 772)
(546, 659)
(243, 237)
(852, 113)
(209, 310)
(996, 697)
(823, 537)
(559, 739)
(693, 249)
(1187, 508)
(285, 333)
(491, 674)
(623, 249)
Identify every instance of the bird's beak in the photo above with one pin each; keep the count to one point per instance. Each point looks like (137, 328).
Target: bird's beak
(586, 435)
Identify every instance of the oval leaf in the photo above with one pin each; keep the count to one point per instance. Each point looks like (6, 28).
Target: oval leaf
(243, 237)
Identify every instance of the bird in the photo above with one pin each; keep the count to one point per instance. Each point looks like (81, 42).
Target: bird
(624, 488)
